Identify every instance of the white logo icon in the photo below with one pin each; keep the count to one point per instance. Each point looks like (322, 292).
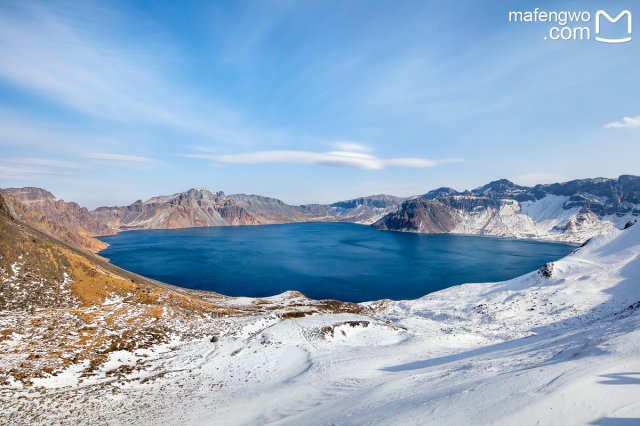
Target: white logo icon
(602, 13)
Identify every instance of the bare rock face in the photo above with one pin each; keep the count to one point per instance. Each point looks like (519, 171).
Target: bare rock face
(422, 215)
(7, 209)
(193, 208)
(66, 221)
(267, 209)
(30, 195)
(233, 214)
(69, 214)
(547, 270)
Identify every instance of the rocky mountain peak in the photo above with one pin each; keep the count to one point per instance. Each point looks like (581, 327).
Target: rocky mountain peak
(500, 186)
(625, 189)
(193, 194)
(30, 194)
(204, 194)
(439, 192)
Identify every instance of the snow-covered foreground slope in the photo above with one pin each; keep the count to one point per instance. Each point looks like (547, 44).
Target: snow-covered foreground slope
(534, 350)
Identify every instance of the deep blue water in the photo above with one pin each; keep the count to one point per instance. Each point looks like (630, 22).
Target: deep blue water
(324, 260)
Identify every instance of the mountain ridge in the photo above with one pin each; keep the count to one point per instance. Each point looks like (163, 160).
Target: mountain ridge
(198, 207)
(570, 211)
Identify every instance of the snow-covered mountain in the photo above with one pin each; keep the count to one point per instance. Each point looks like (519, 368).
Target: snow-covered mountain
(556, 346)
(572, 211)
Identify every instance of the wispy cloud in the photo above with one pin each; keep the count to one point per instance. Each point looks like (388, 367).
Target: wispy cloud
(352, 156)
(74, 63)
(626, 122)
(26, 172)
(31, 168)
(47, 162)
(122, 158)
(75, 71)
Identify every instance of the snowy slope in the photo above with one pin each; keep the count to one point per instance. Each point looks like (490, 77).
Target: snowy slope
(545, 219)
(533, 350)
(573, 211)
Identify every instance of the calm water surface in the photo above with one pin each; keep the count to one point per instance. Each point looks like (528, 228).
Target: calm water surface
(324, 260)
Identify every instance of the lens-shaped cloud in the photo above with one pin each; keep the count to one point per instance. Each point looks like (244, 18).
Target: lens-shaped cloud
(351, 158)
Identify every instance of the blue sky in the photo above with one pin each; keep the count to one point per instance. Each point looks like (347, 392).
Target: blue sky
(306, 101)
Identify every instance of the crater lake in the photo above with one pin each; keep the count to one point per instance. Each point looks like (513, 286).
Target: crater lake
(341, 261)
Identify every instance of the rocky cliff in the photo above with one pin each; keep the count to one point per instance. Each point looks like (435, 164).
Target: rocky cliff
(422, 216)
(69, 214)
(68, 222)
(194, 208)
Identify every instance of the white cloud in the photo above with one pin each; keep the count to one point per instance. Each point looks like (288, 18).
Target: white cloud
(121, 158)
(332, 158)
(626, 122)
(352, 146)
